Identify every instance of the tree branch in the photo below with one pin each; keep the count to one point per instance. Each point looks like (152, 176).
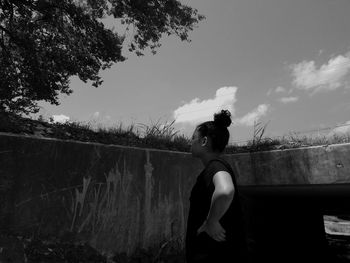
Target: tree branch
(4, 29)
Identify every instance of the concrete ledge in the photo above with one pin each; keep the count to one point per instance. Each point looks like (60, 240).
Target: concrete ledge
(303, 166)
(120, 199)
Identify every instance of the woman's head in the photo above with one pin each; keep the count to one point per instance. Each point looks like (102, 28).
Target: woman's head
(214, 134)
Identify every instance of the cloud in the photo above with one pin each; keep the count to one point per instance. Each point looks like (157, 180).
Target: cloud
(327, 77)
(60, 118)
(100, 117)
(95, 115)
(288, 99)
(280, 89)
(100, 120)
(254, 115)
(198, 110)
(340, 130)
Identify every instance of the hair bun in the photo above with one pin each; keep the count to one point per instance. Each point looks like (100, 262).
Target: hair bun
(223, 119)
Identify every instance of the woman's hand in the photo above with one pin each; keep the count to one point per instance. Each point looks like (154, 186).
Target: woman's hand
(213, 229)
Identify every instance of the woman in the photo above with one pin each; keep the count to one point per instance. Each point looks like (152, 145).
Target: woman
(215, 229)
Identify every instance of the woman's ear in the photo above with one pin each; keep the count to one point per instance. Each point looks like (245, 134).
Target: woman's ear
(204, 141)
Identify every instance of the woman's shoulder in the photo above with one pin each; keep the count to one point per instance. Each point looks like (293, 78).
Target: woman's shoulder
(217, 165)
(213, 167)
(220, 162)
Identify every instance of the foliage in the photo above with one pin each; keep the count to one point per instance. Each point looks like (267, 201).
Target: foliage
(37, 250)
(43, 43)
(258, 133)
(156, 135)
(86, 132)
(158, 129)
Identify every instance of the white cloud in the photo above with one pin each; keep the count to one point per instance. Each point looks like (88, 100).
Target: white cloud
(60, 118)
(288, 99)
(341, 129)
(197, 110)
(327, 77)
(95, 115)
(254, 115)
(280, 89)
(98, 117)
(100, 120)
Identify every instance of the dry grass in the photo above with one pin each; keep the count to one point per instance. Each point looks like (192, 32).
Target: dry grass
(158, 135)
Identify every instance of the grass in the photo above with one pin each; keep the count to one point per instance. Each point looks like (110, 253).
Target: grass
(157, 135)
(259, 142)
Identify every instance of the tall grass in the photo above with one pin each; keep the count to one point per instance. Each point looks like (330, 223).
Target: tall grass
(159, 135)
(261, 142)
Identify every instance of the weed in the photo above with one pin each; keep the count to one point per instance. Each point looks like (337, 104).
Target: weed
(157, 135)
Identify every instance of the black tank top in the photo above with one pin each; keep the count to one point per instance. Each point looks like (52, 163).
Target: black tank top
(200, 201)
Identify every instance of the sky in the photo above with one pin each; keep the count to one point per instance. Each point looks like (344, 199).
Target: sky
(282, 63)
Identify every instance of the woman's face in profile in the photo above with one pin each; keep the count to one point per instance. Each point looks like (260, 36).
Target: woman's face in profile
(196, 146)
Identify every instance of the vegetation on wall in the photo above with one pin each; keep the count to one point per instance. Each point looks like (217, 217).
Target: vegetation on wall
(158, 135)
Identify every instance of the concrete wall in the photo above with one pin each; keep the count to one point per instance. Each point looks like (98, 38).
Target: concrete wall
(286, 193)
(120, 199)
(304, 166)
(117, 198)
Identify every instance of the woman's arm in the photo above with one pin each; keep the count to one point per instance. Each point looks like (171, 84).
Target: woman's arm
(220, 202)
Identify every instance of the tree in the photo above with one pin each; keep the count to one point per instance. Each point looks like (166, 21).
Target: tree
(43, 43)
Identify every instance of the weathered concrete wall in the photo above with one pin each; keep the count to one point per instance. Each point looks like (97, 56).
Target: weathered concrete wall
(303, 166)
(121, 198)
(117, 198)
(286, 193)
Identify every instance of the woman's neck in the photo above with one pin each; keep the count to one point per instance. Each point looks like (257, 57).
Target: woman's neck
(207, 157)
